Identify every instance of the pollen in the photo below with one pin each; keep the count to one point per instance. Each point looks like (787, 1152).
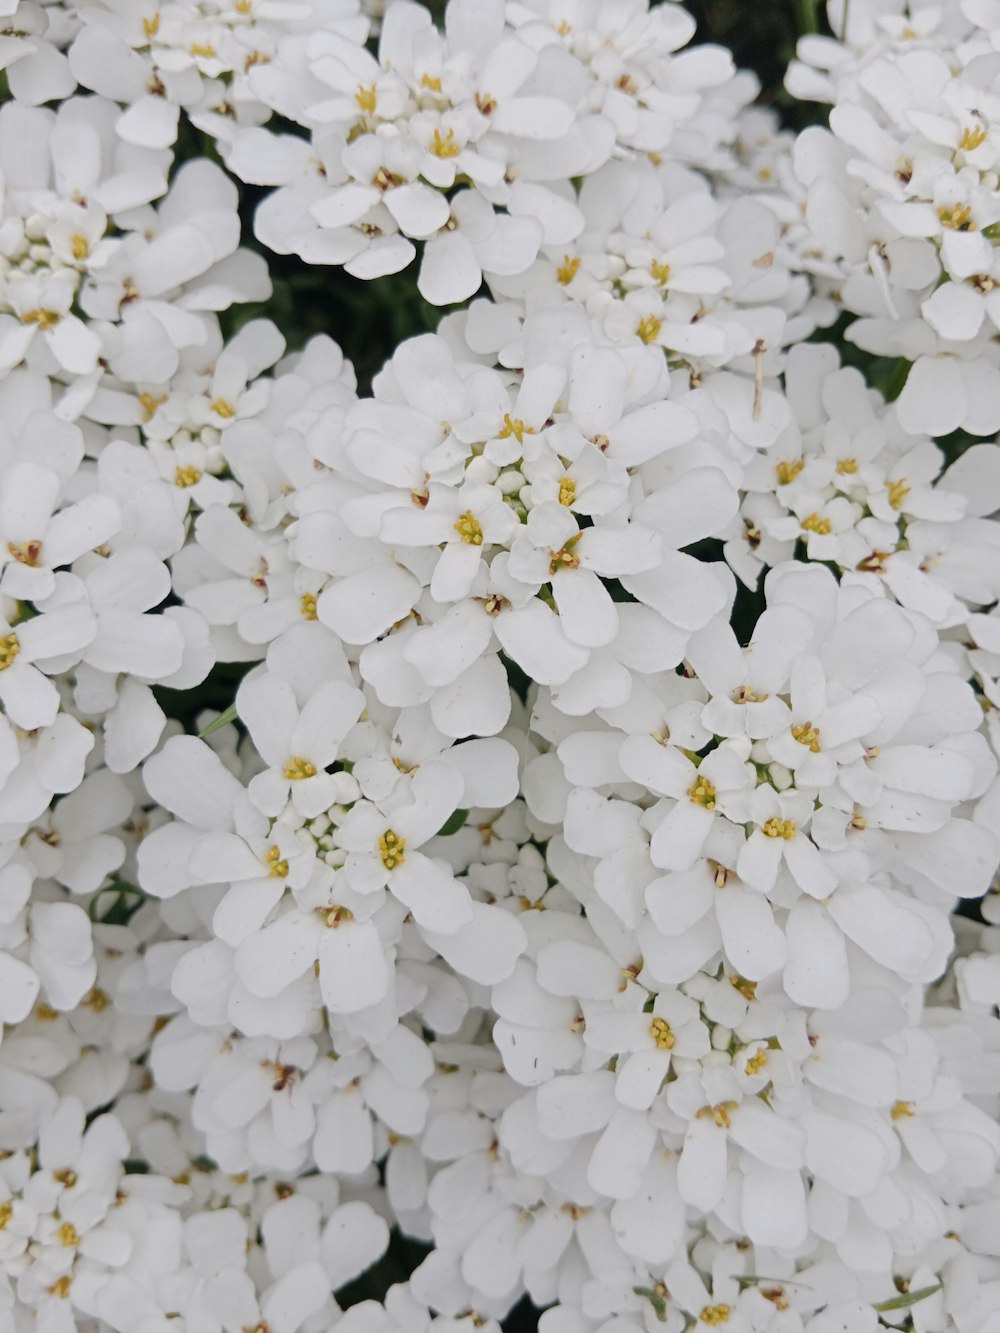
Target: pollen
(469, 529)
(187, 476)
(806, 734)
(748, 989)
(61, 1286)
(972, 138)
(278, 868)
(780, 828)
(65, 1176)
(25, 553)
(432, 82)
(149, 403)
(568, 269)
(68, 1235)
(902, 1111)
(80, 246)
(307, 606)
(44, 319)
(10, 646)
(847, 466)
(486, 103)
(956, 217)
(391, 848)
(897, 492)
(297, 769)
(514, 426)
(662, 1034)
(648, 327)
(6, 1213)
(660, 272)
(703, 793)
(719, 1113)
(565, 557)
(714, 1315)
(204, 50)
(445, 145)
(222, 407)
(814, 523)
(96, 999)
(567, 491)
(786, 472)
(336, 915)
(756, 1062)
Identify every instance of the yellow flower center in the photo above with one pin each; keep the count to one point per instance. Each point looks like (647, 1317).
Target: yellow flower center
(65, 1176)
(6, 1213)
(714, 1315)
(45, 319)
(660, 272)
(514, 426)
(806, 734)
(661, 1033)
(68, 1235)
(756, 1062)
(956, 217)
(80, 246)
(972, 138)
(565, 558)
(96, 999)
(335, 915)
(567, 491)
(568, 269)
(847, 466)
(718, 1113)
(149, 403)
(787, 472)
(10, 646)
(151, 26)
(897, 492)
(748, 989)
(222, 408)
(703, 793)
(61, 1286)
(297, 769)
(384, 179)
(469, 529)
(432, 82)
(25, 553)
(780, 828)
(204, 50)
(444, 145)
(647, 329)
(902, 1111)
(391, 848)
(307, 606)
(187, 476)
(278, 867)
(365, 98)
(814, 523)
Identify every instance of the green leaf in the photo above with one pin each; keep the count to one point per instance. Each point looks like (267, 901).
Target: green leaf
(453, 823)
(223, 720)
(907, 1299)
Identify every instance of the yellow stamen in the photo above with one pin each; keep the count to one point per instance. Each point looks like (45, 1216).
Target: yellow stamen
(149, 403)
(565, 558)
(568, 269)
(96, 999)
(897, 492)
(365, 98)
(298, 769)
(80, 246)
(65, 1176)
(715, 1315)
(6, 1213)
(45, 319)
(757, 1062)
(10, 646)
(662, 1035)
(567, 491)
(25, 553)
(204, 50)
(847, 466)
(151, 26)
(703, 793)
(972, 138)
(806, 734)
(902, 1111)
(68, 1235)
(469, 529)
(787, 472)
(814, 523)
(187, 476)
(514, 426)
(780, 828)
(647, 329)
(445, 145)
(660, 272)
(222, 408)
(956, 217)
(61, 1286)
(748, 989)
(307, 606)
(719, 1113)
(391, 849)
(278, 867)
(432, 82)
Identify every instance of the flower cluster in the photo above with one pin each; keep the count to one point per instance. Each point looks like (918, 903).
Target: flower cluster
(541, 812)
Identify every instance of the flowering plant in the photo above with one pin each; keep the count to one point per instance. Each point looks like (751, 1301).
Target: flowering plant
(520, 836)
